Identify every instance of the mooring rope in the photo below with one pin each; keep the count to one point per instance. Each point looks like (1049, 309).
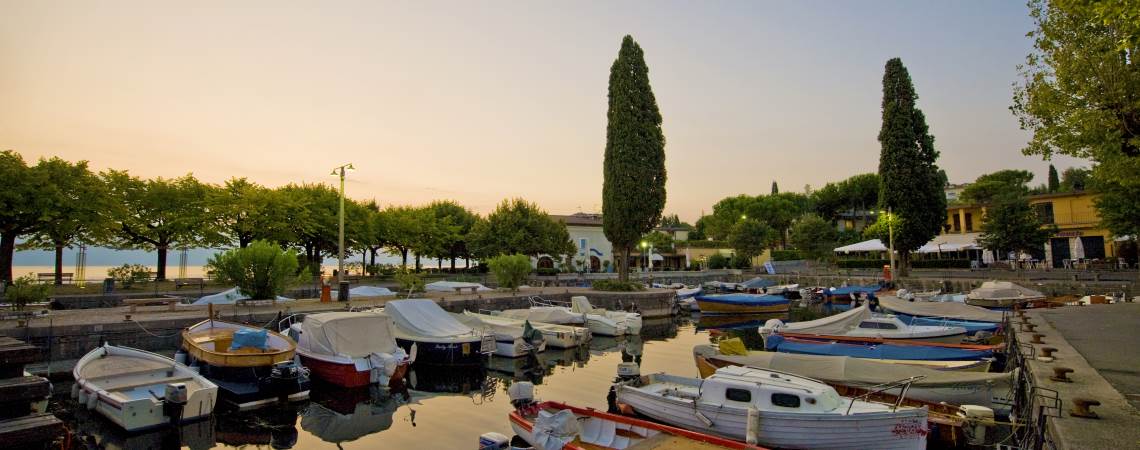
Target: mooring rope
(152, 334)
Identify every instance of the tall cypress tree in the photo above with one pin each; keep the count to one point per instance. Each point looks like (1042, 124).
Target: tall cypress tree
(910, 184)
(775, 189)
(1054, 180)
(633, 193)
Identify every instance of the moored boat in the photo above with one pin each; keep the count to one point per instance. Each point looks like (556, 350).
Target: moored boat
(350, 349)
(579, 312)
(875, 348)
(138, 390)
(511, 341)
(861, 322)
(559, 426)
(560, 336)
(742, 304)
(630, 321)
(776, 409)
(1002, 294)
(433, 336)
(252, 366)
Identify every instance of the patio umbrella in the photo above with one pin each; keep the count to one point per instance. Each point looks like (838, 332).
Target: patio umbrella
(1078, 249)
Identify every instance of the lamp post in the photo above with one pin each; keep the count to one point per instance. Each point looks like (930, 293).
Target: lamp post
(339, 171)
(891, 239)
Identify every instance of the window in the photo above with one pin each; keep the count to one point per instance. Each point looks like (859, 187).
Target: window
(786, 400)
(868, 325)
(738, 395)
(969, 222)
(1044, 211)
(888, 326)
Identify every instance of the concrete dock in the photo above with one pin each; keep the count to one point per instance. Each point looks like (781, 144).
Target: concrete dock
(1097, 349)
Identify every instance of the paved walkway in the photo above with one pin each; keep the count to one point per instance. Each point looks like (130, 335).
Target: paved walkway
(1108, 336)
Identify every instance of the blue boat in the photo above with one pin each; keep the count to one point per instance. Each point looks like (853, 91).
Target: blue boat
(970, 325)
(742, 304)
(781, 344)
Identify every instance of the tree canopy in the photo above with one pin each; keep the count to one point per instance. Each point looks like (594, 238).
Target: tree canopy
(911, 184)
(1011, 224)
(750, 237)
(814, 237)
(22, 206)
(633, 190)
(518, 226)
(991, 187)
(1054, 183)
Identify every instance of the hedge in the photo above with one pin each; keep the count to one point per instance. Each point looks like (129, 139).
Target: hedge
(615, 285)
(941, 264)
(700, 244)
(786, 255)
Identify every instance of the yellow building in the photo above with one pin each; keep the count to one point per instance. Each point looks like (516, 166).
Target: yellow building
(1079, 235)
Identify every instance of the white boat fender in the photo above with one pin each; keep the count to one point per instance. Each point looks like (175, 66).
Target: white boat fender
(412, 354)
(752, 434)
(92, 400)
(75, 391)
(771, 326)
(494, 441)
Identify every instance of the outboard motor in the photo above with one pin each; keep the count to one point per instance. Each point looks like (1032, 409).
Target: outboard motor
(771, 326)
(283, 377)
(174, 402)
(627, 371)
(521, 394)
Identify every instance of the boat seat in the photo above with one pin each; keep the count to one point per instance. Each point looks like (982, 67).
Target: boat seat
(131, 373)
(140, 383)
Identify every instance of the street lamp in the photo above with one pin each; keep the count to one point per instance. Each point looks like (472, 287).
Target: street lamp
(891, 238)
(644, 247)
(339, 171)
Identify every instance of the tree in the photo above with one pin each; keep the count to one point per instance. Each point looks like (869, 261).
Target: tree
(21, 206)
(262, 270)
(775, 188)
(312, 219)
(520, 227)
(397, 229)
(244, 211)
(633, 191)
(458, 222)
(660, 241)
(1077, 179)
(911, 184)
(813, 237)
(1119, 209)
(1054, 182)
(1012, 225)
(78, 210)
(750, 237)
(674, 221)
(858, 194)
(158, 213)
(510, 270)
(991, 187)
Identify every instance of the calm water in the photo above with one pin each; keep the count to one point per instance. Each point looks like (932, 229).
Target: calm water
(446, 408)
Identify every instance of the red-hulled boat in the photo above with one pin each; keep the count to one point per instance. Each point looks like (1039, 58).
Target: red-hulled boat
(350, 349)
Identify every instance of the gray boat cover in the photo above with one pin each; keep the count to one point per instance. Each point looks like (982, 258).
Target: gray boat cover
(838, 324)
(847, 370)
(545, 314)
(425, 318)
(449, 286)
(950, 310)
(351, 334)
(1004, 290)
(331, 426)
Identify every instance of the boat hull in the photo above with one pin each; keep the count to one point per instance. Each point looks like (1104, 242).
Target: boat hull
(872, 350)
(971, 327)
(902, 429)
(343, 373)
(444, 353)
(247, 388)
(707, 306)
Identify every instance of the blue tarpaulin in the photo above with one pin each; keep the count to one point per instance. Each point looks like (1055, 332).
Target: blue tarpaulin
(250, 338)
(778, 343)
(970, 326)
(845, 291)
(745, 299)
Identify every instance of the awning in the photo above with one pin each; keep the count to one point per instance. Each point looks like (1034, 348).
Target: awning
(873, 245)
(951, 243)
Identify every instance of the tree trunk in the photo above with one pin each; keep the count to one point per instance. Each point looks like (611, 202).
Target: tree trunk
(58, 265)
(7, 248)
(363, 262)
(404, 255)
(439, 264)
(904, 264)
(161, 263)
(243, 241)
(418, 263)
(623, 264)
(372, 261)
(452, 263)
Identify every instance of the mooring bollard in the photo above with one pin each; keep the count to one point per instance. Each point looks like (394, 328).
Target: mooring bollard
(1048, 351)
(1028, 327)
(1037, 338)
(1061, 374)
(1082, 408)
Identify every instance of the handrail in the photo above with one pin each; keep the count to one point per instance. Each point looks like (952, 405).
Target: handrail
(879, 388)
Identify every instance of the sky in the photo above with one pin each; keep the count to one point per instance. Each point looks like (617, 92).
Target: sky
(481, 101)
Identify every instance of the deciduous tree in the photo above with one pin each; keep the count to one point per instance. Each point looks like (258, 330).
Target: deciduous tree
(1012, 225)
(750, 237)
(21, 206)
(518, 226)
(633, 191)
(813, 237)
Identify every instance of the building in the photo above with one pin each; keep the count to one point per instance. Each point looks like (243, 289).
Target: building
(954, 192)
(596, 252)
(1079, 235)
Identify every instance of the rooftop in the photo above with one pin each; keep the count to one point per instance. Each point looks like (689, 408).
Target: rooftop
(580, 219)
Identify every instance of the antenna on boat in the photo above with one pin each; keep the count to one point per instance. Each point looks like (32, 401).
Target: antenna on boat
(210, 311)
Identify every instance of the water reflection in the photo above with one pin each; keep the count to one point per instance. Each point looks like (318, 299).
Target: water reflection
(274, 426)
(345, 415)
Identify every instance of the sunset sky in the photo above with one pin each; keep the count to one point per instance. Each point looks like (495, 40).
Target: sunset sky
(479, 101)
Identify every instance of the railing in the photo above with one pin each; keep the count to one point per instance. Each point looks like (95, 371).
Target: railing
(1032, 405)
(881, 388)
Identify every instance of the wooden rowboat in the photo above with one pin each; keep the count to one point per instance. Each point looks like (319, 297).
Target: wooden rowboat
(209, 341)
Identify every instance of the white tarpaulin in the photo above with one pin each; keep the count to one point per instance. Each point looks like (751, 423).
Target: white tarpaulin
(838, 324)
(229, 297)
(425, 318)
(449, 286)
(544, 314)
(351, 334)
(1004, 290)
(873, 245)
(369, 291)
(951, 310)
(554, 431)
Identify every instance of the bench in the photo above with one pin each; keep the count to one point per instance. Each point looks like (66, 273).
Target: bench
(171, 302)
(49, 277)
(179, 282)
(459, 289)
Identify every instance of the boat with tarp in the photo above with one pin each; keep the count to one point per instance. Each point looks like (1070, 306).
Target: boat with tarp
(742, 303)
(1002, 294)
(434, 336)
(350, 349)
(875, 348)
(861, 322)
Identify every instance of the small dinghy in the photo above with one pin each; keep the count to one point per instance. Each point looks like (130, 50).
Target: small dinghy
(511, 341)
(860, 322)
(742, 303)
(559, 336)
(558, 426)
(774, 409)
(350, 349)
(431, 334)
(252, 366)
(138, 390)
(874, 348)
(687, 298)
(1002, 294)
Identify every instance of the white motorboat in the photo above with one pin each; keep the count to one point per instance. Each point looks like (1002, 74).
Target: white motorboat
(631, 321)
(1002, 294)
(579, 312)
(782, 289)
(774, 409)
(511, 341)
(137, 389)
(432, 336)
(687, 298)
(350, 349)
(861, 322)
(560, 336)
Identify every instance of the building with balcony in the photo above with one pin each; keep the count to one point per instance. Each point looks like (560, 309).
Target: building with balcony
(1078, 237)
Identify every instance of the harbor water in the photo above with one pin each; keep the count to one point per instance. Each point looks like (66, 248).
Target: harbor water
(444, 407)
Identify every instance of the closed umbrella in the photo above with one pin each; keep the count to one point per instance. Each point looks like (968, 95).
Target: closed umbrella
(1078, 248)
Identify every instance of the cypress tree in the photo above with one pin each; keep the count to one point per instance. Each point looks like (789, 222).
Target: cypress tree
(633, 193)
(775, 189)
(1054, 180)
(910, 184)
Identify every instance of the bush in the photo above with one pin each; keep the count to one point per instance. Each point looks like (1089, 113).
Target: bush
(129, 274)
(862, 263)
(786, 255)
(741, 262)
(619, 286)
(940, 264)
(262, 270)
(718, 261)
(510, 270)
(410, 281)
(546, 271)
(702, 244)
(24, 290)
